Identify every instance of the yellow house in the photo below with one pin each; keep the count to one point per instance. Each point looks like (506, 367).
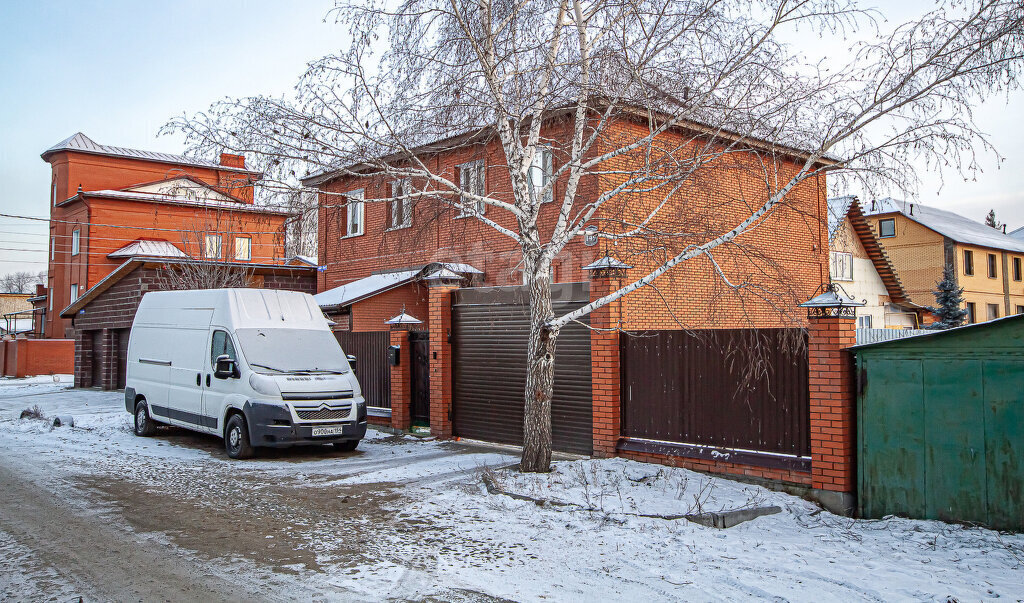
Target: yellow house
(921, 241)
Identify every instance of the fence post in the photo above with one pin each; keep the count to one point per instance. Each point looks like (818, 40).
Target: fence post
(440, 302)
(832, 409)
(401, 379)
(605, 377)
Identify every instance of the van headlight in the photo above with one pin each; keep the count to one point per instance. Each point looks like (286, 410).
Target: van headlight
(264, 385)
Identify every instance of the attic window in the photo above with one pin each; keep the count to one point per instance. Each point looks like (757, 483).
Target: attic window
(887, 228)
(841, 266)
(211, 247)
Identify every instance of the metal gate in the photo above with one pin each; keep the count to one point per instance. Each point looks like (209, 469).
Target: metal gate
(489, 338)
(732, 388)
(941, 426)
(419, 347)
(372, 370)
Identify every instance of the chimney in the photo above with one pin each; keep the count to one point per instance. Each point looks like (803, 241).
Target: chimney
(911, 209)
(1004, 227)
(40, 289)
(232, 161)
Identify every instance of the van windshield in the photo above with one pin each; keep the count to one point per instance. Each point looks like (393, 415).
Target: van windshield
(292, 351)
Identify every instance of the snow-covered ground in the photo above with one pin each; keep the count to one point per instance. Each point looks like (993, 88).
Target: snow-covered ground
(410, 519)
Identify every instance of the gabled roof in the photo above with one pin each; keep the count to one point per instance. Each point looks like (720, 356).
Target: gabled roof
(302, 260)
(81, 143)
(1017, 234)
(149, 248)
(136, 262)
(176, 200)
(186, 183)
(949, 224)
(868, 240)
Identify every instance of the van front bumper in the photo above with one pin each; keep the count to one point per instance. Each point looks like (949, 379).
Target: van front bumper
(271, 425)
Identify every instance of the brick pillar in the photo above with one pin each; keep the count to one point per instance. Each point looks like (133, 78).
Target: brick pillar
(401, 381)
(832, 403)
(604, 365)
(440, 303)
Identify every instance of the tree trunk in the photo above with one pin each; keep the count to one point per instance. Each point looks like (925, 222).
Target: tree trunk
(540, 374)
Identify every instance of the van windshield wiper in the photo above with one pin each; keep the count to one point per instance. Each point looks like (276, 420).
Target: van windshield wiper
(277, 370)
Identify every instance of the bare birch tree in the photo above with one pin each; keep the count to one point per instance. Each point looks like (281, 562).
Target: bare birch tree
(703, 83)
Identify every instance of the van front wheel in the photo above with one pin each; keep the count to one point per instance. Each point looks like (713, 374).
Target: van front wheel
(144, 425)
(236, 438)
(346, 446)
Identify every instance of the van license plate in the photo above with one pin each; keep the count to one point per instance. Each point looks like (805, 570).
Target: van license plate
(328, 431)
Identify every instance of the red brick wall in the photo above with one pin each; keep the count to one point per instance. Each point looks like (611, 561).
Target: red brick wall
(27, 357)
(401, 382)
(605, 371)
(781, 475)
(371, 314)
(832, 403)
(440, 361)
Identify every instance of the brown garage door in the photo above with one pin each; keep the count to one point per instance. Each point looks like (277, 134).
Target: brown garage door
(490, 329)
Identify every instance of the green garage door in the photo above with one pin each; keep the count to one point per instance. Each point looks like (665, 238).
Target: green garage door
(941, 428)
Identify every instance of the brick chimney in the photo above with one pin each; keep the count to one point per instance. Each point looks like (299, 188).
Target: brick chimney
(233, 161)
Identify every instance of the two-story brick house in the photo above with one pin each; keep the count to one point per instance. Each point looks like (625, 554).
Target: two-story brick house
(108, 204)
(922, 241)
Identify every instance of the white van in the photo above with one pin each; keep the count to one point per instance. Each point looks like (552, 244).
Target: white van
(256, 367)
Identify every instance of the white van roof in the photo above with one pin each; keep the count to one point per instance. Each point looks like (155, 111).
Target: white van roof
(251, 308)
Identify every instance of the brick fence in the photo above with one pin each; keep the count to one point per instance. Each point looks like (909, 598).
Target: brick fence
(26, 357)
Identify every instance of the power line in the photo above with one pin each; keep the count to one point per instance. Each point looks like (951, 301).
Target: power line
(56, 221)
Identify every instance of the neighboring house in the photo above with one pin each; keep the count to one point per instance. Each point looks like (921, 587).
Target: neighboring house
(1018, 234)
(360, 238)
(15, 313)
(102, 317)
(108, 204)
(859, 264)
(921, 241)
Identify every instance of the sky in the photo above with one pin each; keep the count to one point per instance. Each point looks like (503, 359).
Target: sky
(118, 70)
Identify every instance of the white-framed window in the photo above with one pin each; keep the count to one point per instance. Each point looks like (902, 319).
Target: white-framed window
(541, 171)
(76, 241)
(472, 179)
(401, 209)
(243, 248)
(211, 246)
(864, 322)
(74, 292)
(841, 266)
(53, 193)
(53, 248)
(354, 207)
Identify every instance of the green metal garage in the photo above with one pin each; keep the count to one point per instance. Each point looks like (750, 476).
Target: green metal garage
(941, 425)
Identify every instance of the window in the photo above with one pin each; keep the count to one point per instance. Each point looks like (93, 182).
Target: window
(541, 171)
(53, 193)
(864, 322)
(992, 265)
(53, 247)
(972, 316)
(1016, 269)
(993, 311)
(1020, 309)
(354, 213)
(74, 292)
(221, 344)
(841, 266)
(76, 241)
(887, 228)
(243, 249)
(211, 249)
(968, 262)
(401, 209)
(472, 180)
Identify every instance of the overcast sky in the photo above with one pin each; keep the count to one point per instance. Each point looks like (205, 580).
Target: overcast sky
(117, 70)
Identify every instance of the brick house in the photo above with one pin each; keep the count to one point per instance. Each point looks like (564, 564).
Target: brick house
(445, 270)
(109, 203)
(102, 317)
(922, 241)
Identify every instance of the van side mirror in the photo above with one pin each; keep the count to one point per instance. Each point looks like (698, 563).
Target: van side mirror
(226, 367)
(352, 361)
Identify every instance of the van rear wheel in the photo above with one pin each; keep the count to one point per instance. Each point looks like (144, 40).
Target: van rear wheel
(144, 424)
(236, 438)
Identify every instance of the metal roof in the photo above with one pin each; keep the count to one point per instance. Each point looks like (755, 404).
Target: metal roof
(160, 249)
(948, 224)
(177, 200)
(838, 207)
(933, 333)
(365, 287)
(1017, 234)
(83, 144)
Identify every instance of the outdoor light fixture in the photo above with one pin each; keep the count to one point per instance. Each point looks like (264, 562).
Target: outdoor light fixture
(832, 301)
(608, 266)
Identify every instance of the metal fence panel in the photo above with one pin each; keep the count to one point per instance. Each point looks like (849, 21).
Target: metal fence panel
(372, 370)
(876, 335)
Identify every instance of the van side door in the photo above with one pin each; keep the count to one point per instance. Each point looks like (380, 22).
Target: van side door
(186, 379)
(217, 388)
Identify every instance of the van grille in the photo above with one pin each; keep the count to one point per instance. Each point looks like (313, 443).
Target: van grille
(324, 413)
(341, 394)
